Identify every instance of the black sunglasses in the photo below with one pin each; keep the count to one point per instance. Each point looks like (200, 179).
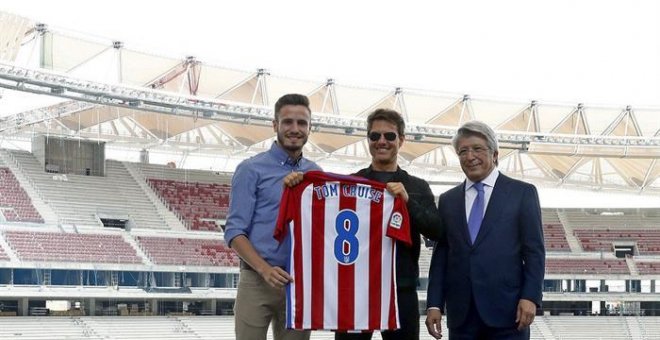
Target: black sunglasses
(389, 136)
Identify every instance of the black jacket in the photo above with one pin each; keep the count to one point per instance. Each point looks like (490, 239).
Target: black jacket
(424, 219)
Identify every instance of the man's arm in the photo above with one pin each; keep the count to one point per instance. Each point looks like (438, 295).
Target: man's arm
(533, 248)
(242, 203)
(424, 215)
(274, 276)
(435, 299)
(436, 288)
(533, 251)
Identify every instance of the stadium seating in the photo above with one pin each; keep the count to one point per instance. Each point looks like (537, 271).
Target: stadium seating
(199, 198)
(130, 328)
(15, 202)
(222, 328)
(554, 234)
(647, 240)
(44, 328)
(188, 251)
(183, 175)
(425, 255)
(3, 255)
(197, 204)
(585, 266)
(575, 327)
(141, 327)
(211, 327)
(79, 199)
(650, 327)
(647, 267)
(69, 247)
(555, 238)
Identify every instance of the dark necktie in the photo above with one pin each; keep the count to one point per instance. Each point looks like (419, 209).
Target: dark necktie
(477, 212)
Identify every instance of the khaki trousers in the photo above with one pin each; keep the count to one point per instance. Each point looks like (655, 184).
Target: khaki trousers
(258, 305)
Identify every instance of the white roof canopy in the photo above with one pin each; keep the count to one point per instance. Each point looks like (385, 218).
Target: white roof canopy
(151, 100)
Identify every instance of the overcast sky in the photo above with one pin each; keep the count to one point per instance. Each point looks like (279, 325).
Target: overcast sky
(596, 52)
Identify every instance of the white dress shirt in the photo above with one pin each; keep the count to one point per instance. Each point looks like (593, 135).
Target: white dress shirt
(471, 192)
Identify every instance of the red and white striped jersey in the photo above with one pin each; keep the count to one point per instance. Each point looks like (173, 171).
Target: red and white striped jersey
(343, 231)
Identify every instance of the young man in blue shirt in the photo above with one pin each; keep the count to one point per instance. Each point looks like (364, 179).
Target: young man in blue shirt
(254, 204)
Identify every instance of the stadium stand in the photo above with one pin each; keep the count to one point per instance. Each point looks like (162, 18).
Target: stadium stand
(196, 249)
(593, 219)
(650, 327)
(647, 267)
(79, 199)
(647, 240)
(3, 255)
(188, 251)
(44, 246)
(200, 199)
(572, 327)
(425, 254)
(46, 328)
(221, 328)
(199, 205)
(131, 328)
(165, 172)
(211, 327)
(555, 238)
(585, 266)
(15, 204)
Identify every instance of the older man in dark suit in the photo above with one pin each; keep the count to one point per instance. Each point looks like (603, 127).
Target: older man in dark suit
(487, 274)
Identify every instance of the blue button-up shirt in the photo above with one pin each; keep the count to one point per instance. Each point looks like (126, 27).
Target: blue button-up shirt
(256, 191)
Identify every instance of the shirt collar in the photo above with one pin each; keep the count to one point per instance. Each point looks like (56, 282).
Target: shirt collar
(282, 157)
(370, 169)
(488, 181)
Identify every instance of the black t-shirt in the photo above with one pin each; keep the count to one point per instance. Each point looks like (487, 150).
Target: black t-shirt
(383, 176)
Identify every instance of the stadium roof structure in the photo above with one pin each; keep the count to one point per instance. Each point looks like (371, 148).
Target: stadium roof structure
(62, 83)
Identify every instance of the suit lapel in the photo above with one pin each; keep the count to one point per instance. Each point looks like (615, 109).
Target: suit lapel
(498, 199)
(461, 209)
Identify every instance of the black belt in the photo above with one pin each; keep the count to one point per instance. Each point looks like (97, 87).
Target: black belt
(245, 266)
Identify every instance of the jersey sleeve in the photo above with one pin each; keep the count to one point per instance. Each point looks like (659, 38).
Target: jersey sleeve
(398, 226)
(285, 215)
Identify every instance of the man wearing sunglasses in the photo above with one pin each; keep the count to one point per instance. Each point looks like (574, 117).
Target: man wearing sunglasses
(385, 132)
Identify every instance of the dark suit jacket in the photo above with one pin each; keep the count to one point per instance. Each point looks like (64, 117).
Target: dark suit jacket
(506, 262)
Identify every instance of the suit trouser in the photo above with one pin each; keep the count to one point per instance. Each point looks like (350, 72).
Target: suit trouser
(258, 305)
(474, 328)
(408, 319)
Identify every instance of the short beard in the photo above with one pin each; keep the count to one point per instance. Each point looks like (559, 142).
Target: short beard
(293, 149)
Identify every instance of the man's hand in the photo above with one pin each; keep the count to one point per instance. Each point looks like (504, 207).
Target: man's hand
(276, 277)
(397, 189)
(293, 179)
(433, 322)
(525, 313)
